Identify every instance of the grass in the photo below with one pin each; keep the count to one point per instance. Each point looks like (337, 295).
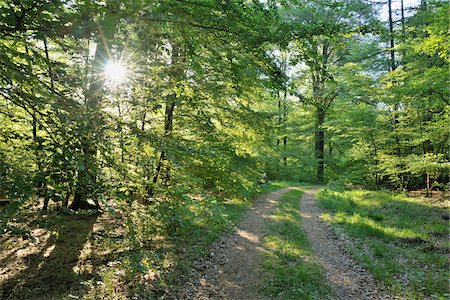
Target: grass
(402, 241)
(289, 264)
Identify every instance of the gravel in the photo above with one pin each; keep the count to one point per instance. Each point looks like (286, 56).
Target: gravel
(232, 270)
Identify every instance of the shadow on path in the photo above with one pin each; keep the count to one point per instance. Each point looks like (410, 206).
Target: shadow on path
(349, 279)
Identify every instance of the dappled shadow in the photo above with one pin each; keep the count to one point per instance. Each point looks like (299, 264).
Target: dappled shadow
(47, 271)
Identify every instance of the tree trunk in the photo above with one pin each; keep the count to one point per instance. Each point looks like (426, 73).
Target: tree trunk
(320, 143)
(168, 127)
(284, 128)
(428, 185)
(41, 181)
(391, 37)
(403, 19)
(163, 165)
(40, 176)
(278, 132)
(375, 149)
(87, 172)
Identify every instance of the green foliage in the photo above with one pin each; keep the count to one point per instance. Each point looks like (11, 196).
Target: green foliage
(434, 39)
(386, 226)
(209, 107)
(290, 268)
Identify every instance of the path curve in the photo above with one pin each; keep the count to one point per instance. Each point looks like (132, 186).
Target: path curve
(233, 268)
(348, 279)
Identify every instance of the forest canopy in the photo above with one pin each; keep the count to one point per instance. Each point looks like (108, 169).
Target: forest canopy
(137, 100)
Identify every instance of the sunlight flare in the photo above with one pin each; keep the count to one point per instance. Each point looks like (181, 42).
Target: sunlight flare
(115, 72)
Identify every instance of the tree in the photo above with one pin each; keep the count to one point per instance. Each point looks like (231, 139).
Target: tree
(321, 53)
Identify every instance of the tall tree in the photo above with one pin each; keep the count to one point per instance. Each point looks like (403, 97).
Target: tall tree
(320, 53)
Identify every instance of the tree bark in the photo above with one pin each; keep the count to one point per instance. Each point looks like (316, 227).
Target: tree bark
(168, 127)
(278, 132)
(391, 37)
(403, 19)
(284, 128)
(320, 143)
(322, 100)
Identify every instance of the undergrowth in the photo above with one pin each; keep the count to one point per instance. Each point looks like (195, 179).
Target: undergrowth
(402, 241)
(134, 251)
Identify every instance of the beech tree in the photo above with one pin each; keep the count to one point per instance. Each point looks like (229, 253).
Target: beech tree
(322, 52)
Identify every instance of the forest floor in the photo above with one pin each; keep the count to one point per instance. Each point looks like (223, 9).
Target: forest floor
(283, 247)
(51, 261)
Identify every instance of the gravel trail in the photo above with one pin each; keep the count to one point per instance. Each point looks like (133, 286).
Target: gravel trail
(233, 271)
(348, 279)
(233, 268)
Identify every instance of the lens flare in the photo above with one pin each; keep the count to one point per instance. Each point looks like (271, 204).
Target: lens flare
(115, 72)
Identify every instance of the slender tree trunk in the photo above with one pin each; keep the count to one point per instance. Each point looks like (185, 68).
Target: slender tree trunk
(375, 148)
(278, 132)
(391, 37)
(121, 138)
(285, 62)
(163, 165)
(284, 128)
(52, 87)
(41, 181)
(168, 127)
(376, 181)
(403, 19)
(428, 185)
(320, 143)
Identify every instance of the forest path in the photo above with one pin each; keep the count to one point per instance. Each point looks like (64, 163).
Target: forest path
(233, 268)
(348, 279)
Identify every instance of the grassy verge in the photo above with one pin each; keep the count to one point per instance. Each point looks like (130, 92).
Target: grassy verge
(291, 270)
(402, 241)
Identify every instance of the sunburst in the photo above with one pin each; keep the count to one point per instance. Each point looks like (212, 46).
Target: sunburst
(115, 72)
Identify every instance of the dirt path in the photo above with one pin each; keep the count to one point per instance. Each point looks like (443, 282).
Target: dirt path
(349, 280)
(233, 268)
